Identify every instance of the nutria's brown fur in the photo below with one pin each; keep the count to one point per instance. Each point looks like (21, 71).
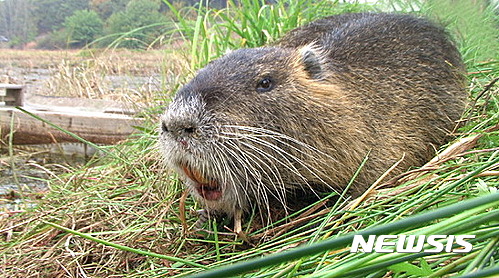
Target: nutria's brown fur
(260, 124)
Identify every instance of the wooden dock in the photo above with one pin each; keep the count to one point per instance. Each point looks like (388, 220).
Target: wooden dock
(97, 121)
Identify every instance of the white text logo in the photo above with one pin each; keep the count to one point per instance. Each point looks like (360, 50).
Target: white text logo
(412, 244)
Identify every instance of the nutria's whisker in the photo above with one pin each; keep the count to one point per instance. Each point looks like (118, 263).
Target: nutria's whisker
(285, 154)
(258, 176)
(273, 134)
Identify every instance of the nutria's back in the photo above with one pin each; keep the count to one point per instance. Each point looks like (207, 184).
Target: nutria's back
(405, 74)
(258, 124)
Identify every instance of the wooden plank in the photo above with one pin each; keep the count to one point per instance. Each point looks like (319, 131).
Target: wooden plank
(67, 104)
(99, 128)
(11, 86)
(97, 121)
(14, 94)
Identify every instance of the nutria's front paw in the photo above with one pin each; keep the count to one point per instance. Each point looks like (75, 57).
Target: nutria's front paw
(203, 217)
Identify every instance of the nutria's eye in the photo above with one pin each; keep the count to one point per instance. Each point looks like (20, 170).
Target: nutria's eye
(264, 85)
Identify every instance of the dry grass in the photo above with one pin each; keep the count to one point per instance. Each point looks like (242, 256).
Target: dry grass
(29, 59)
(121, 60)
(136, 77)
(125, 208)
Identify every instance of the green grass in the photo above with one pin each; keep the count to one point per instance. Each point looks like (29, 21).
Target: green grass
(250, 23)
(122, 214)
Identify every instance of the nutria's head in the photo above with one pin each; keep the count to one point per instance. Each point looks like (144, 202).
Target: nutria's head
(246, 128)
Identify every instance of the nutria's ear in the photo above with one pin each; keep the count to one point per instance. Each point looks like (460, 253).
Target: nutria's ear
(312, 60)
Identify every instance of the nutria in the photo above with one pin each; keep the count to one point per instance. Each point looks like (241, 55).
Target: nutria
(302, 114)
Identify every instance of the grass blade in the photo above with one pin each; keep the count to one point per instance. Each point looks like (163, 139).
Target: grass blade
(487, 201)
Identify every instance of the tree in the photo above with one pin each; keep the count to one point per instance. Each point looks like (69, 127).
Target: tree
(83, 27)
(50, 14)
(137, 24)
(105, 8)
(16, 22)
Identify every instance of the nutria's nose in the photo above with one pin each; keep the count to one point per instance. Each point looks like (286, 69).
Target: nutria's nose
(178, 129)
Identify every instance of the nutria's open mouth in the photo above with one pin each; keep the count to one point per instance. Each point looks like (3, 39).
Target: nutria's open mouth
(207, 188)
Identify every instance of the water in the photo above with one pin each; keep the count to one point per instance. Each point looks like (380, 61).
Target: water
(25, 174)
